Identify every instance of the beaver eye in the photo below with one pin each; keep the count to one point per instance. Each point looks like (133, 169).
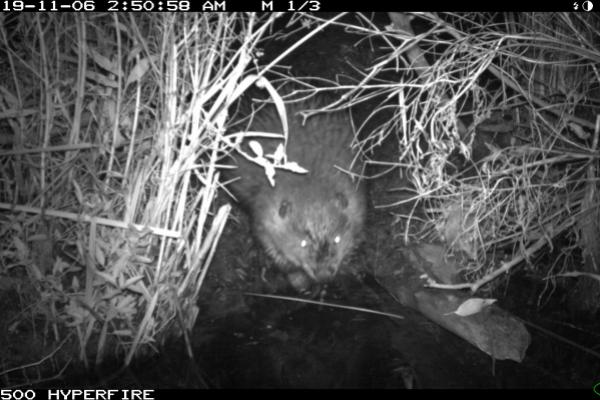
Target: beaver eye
(303, 243)
(337, 239)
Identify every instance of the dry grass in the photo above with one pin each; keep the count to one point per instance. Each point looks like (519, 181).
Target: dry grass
(523, 95)
(115, 127)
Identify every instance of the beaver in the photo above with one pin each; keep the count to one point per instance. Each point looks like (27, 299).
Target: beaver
(308, 223)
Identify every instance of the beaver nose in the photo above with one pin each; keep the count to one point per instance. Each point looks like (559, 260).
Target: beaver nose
(325, 274)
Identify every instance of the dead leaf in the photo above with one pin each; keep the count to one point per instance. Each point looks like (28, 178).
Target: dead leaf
(256, 148)
(472, 306)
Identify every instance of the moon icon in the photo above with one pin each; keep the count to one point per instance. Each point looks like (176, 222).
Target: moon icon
(587, 5)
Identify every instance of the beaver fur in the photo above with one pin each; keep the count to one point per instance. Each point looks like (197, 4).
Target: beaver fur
(308, 223)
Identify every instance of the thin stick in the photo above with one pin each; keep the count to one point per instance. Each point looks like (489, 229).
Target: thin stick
(320, 303)
(87, 218)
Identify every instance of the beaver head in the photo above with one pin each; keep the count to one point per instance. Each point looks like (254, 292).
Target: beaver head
(311, 231)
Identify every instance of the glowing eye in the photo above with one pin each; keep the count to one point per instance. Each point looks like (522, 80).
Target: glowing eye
(303, 243)
(337, 239)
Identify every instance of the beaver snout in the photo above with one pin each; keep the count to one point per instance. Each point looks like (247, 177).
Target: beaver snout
(325, 274)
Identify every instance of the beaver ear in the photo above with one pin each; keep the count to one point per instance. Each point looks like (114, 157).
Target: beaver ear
(284, 208)
(341, 200)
